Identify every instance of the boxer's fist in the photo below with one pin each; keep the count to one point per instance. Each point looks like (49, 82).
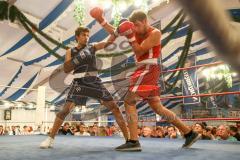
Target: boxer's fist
(97, 13)
(127, 29)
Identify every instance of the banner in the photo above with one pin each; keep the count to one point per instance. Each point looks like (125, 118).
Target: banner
(190, 81)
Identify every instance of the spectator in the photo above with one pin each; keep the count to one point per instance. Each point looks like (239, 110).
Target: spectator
(25, 130)
(38, 130)
(172, 133)
(95, 130)
(115, 131)
(65, 130)
(238, 126)
(7, 130)
(12, 131)
(139, 131)
(102, 131)
(108, 131)
(1, 131)
(165, 130)
(30, 130)
(159, 132)
(224, 134)
(91, 131)
(147, 131)
(154, 133)
(200, 129)
(234, 132)
(208, 132)
(81, 131)
(214, 132)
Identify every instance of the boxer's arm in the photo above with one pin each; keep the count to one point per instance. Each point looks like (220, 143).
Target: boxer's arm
(153, 39)
(109, 28)
(102, 45)
(68, 67)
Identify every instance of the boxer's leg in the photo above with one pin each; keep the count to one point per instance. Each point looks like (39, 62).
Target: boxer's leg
(191, 137)
(114, 108)
(60, 118)
(156, 105)
(132, 119)
(131, 114)
(48, 143)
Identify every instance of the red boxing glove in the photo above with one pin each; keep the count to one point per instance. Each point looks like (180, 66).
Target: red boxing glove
(127, 29)
(97, 13)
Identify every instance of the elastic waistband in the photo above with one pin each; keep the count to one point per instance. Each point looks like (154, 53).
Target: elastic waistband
(85, 74)
(149, 61)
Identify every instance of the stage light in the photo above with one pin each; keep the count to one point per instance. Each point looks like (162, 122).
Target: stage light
(77, 109)
(234, 74)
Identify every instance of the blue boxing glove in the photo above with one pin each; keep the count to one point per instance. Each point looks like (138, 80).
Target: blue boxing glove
(84, 57)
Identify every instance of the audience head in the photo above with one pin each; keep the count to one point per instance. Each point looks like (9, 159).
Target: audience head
(198, 127)
(233, 130)
(223, 132)
(172, 133)
(66, 126)
(147, 131)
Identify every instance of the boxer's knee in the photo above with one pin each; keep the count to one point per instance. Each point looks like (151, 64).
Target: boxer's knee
(130, 100)
(65, 111)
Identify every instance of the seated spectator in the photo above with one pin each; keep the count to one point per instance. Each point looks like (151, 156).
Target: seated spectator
(12, 131)
(81, 131)
(147, 131)
(172, 133)
(1, 131)
(208, 132)
(30, 130)
(238, 126)
(200, 129)
(234, 132)
(214, 132)
(65, 130)
(154, 133)
(25, 130)
(139, 130)
(95, 130)
(224, 134)
(91, 131)
(108, 131)
(115, 131)
(160, 132)
(102, 131)
(7, 130)
(38, 130)
(165, 130)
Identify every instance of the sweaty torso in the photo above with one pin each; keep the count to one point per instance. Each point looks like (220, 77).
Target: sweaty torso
(91, 66)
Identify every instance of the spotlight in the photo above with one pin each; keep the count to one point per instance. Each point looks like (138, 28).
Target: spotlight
(234, 74)
(77, 109)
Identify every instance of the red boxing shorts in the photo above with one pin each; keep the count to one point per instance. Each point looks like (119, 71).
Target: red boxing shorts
(144, 81)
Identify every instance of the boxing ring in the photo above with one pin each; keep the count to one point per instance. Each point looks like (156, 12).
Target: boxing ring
(102, 148)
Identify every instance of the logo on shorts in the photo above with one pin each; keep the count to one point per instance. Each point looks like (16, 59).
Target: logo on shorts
(83, 56)
(78, 89)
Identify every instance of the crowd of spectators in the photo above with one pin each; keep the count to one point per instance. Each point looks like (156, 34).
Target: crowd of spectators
(221, 132)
